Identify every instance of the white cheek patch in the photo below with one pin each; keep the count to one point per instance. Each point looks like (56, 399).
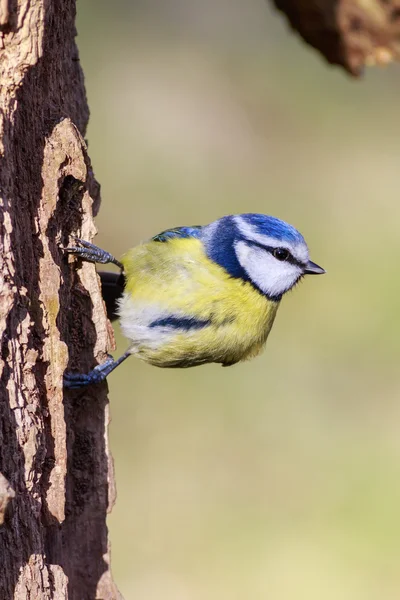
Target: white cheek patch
(273, 277)
(299, 250)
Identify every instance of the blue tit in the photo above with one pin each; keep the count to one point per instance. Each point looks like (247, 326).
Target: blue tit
(201, 294)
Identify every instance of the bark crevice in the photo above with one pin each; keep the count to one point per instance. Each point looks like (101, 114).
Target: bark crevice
(53, 452)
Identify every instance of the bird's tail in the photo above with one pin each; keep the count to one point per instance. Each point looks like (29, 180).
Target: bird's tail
(112, 287)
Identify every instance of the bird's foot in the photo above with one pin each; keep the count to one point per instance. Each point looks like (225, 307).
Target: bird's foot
(74, 381)
(92, 253)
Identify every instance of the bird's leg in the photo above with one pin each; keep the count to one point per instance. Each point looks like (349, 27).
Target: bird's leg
(93, 253)
(74, 381)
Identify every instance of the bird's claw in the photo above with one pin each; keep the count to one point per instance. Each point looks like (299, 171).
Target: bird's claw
(74, 381)
(92, 253)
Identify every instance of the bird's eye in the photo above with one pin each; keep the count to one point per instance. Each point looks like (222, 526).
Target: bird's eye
(281, 254)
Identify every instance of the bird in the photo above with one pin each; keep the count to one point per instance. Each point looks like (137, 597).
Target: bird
(199, 294)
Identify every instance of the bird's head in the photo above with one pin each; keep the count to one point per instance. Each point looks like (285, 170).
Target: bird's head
(263, 250)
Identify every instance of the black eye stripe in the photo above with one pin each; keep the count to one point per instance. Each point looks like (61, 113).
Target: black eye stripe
(290, 259)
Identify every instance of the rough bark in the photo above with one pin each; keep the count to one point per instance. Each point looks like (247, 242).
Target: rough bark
(56, 482)
(350, 33)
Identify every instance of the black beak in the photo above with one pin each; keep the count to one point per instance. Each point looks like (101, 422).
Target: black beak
(313, 269)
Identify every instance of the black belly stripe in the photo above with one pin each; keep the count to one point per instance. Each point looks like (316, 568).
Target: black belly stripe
(185, 323)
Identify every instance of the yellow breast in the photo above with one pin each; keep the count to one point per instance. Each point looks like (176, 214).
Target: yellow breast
(223, 319)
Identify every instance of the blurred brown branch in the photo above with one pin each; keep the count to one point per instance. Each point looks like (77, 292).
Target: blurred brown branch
(350, 33)
(57, 479)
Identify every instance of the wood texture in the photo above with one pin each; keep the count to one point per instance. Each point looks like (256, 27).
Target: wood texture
(350, 33)
(56, 482)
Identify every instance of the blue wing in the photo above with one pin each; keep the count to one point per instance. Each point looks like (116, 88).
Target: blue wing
(178, 232)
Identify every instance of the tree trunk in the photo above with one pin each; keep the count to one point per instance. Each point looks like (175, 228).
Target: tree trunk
(56, 477)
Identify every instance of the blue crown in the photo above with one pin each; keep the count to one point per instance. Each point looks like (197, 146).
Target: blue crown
(272, 227)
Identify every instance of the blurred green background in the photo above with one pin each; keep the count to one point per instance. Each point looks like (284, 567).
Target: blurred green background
(278, 478)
